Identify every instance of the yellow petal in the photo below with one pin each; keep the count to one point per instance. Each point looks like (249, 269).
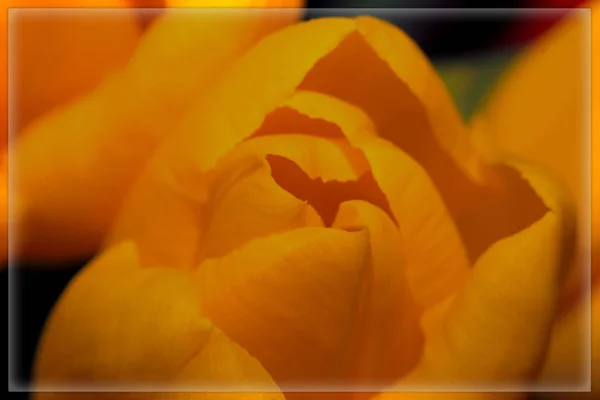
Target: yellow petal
(416, 108)
(245, 205)
(540, 111)
(509, 300)
(538, 117)
(291, 300)
(247, 198)
(436, 262)
(390, 339)
(73, 184)
(122, 326)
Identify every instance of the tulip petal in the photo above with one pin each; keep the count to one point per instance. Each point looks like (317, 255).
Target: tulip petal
(243, 195)
(418, 103)
(568, 362)
(436, 262)
(122, 326)
(509, 300)
(247, 203)
(73, 184)
(391, 338)
(549, 124)
(291, 300)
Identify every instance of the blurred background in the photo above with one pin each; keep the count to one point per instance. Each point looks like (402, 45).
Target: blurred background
(470, 50)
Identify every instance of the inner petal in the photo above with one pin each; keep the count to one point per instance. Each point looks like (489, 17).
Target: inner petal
(274, 184)
(484, 213)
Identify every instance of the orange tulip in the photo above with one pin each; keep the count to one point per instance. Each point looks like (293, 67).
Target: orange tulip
(74, 164)
(313, 221)
(540, 112)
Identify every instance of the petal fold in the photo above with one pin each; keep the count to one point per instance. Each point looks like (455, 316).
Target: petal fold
(390, 338)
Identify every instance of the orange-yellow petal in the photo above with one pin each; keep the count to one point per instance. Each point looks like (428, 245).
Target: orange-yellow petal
(291, 300)
(245, 204)
(390, 338)
(122, 326)
(509, 300)
(244, 199)
(436, 262)
(540, 111)
(248, 196)
(74, 166)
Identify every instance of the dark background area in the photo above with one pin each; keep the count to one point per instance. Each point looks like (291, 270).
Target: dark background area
(444, 36)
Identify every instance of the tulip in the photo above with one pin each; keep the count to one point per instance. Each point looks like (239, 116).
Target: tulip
(539, 112)
(320, 217)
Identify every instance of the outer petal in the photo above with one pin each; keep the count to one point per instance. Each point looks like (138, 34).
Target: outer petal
(540, 112)
(509, 300)
(552, 131)
(436, 262)
(73, 183)
(291, 299)
(122, 326)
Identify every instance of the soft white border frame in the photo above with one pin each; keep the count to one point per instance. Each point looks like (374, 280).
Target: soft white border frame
(568, 388)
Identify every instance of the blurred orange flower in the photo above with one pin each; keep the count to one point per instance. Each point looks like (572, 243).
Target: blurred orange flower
(72, 158)
(316, 214)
